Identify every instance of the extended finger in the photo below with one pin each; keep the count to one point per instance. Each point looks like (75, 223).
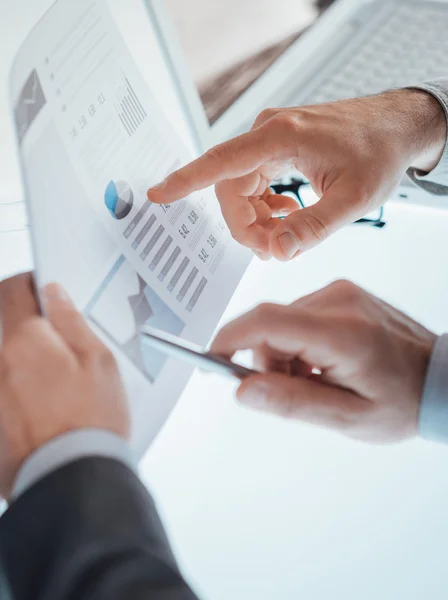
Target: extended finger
(228, 160)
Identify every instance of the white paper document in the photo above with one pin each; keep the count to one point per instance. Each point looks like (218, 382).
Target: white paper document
(92, 140)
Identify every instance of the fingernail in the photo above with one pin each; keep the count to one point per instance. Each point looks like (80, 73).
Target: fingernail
(289, 244)
(258, 254)
(54, 291)
(157, 187)
(255, 395)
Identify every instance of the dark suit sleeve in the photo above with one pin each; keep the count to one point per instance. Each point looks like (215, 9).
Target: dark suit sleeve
(87, 531)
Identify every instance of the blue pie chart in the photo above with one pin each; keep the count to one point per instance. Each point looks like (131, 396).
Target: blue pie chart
(119, 199)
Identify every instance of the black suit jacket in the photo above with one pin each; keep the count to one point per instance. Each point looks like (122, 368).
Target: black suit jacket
(88, 531)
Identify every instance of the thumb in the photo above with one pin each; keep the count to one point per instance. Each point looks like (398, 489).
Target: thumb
(304, 399)
(304, 229)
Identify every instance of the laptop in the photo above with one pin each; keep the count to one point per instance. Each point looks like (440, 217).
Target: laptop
(355, 48)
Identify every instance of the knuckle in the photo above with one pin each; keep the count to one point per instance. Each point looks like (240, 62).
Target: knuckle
(61, 361)
(348, 421)
(285, 121)
(104, 359)
(345, 422)
(346, 290)
(264, 311)
(219, 152)
(178, 178)
(354, 303)
(286, 403)
(267, 114)
(316, 226)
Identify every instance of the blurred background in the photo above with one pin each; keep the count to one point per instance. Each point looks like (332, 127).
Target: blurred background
(228, 45)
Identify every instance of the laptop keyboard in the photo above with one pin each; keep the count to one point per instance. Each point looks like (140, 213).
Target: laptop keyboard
(409, 47)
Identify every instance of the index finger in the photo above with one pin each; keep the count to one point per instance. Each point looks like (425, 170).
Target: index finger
(286, 329)
(17, 303)
(228, 160)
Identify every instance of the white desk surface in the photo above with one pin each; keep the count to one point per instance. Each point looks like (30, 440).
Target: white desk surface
(262, 509)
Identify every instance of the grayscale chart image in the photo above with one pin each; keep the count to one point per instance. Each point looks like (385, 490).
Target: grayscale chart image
(122, 305)
(30, 103)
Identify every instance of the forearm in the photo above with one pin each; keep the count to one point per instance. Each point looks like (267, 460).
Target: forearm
(415, 123)
(88, 530)
(429, 170)
(428, 128)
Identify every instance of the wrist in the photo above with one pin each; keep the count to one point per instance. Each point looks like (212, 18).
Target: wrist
(70, 447)
(425, 128)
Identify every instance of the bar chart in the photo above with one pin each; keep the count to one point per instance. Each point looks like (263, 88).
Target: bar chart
(129, 108)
